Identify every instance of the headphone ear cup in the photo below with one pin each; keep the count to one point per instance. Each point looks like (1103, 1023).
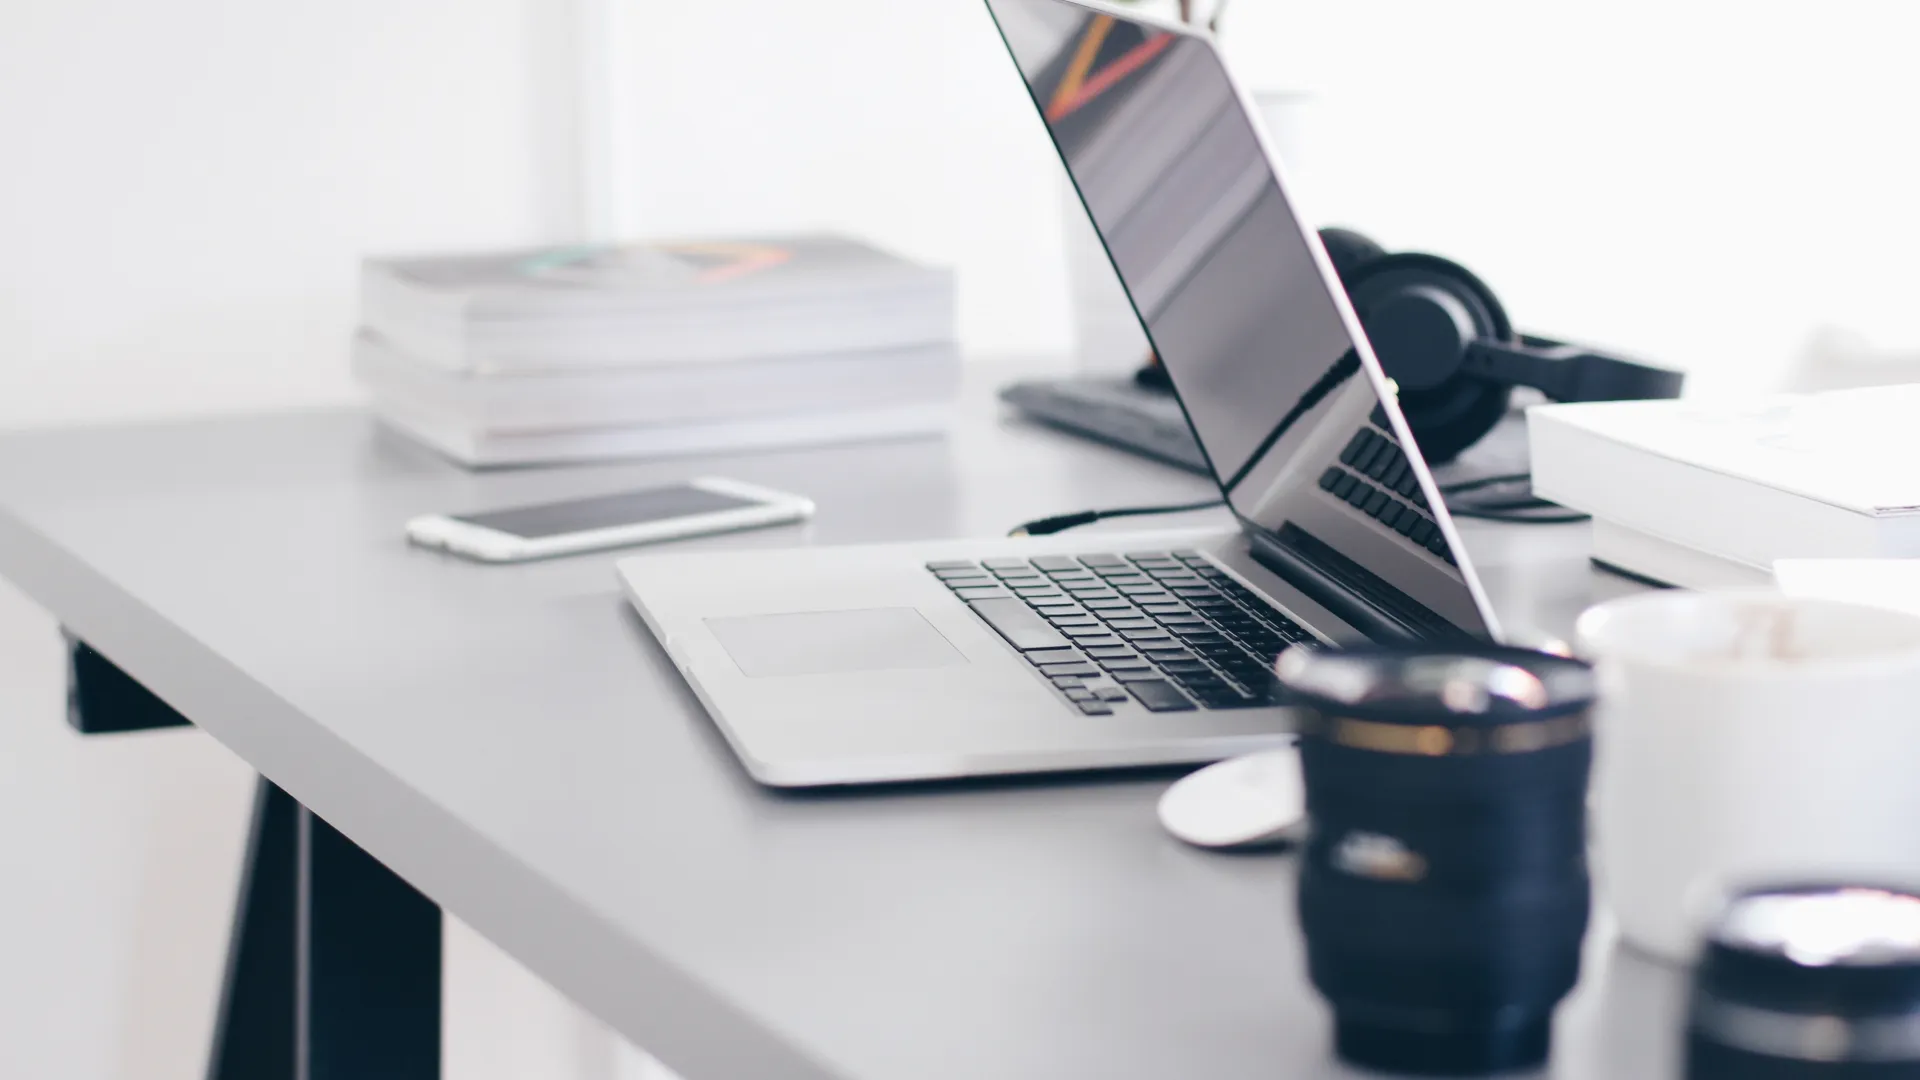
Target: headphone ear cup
(1448, 412)
(1451, 417)
(1349, 252)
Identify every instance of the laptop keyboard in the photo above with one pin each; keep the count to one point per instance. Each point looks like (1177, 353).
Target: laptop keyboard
(1375, 478)
(1168, 630)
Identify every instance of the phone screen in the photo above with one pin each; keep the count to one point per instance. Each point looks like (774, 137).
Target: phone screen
(605, 511)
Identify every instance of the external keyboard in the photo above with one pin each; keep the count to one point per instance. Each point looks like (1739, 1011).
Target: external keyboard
(1169, 630)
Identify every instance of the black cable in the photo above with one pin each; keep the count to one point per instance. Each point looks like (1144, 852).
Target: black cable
(1062, 522)
(1520, 517)
(1484, 482)
(1511, 511)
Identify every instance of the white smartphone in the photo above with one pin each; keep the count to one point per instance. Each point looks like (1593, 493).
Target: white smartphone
(698, 507)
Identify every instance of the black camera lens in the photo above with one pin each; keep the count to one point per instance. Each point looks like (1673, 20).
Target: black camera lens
(1443, 885)
(1809, 983)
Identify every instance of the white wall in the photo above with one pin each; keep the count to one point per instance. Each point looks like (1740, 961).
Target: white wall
(1706, 184)
(187, 185)
(900, 119)
(121, 856)
(185, 188)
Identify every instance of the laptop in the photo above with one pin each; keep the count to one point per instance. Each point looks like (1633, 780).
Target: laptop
(847, 665)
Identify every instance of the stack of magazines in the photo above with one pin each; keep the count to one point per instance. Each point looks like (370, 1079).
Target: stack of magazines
(575, 353)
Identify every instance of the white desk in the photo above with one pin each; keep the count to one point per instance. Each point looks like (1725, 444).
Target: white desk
(511, 742)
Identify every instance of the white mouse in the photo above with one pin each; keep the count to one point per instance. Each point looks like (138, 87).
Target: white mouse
(1258, 799)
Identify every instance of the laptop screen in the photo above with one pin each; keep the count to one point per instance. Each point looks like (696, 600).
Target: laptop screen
(1241, 308)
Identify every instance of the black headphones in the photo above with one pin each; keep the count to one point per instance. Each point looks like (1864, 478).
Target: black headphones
(1443, 337)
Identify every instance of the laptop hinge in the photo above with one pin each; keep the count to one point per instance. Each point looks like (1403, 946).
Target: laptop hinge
(1362, 599)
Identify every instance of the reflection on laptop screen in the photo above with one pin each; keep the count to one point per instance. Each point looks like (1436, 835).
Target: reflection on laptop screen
(1239, 310)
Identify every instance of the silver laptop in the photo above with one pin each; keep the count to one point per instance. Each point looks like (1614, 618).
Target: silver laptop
(971, 657)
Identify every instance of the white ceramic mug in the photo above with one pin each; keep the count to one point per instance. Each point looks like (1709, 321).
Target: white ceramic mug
(1748, 738)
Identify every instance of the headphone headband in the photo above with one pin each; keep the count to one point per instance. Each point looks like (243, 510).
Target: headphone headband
(1443, 336)
(1567, 372)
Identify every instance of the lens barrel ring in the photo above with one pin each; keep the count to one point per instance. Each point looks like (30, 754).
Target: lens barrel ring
(1445, 740)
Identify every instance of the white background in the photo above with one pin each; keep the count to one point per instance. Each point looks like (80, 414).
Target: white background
(186, 185)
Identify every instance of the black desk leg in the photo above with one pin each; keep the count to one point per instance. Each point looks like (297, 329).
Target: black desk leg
(102, 699)
(333, 968)
(369, 962)
(333, 971)
(253, 1032)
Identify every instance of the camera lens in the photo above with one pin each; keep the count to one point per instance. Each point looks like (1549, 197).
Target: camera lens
(1443, 885)
(1809, 983)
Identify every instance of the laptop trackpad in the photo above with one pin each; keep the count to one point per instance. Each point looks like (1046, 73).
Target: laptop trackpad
(822, 642)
